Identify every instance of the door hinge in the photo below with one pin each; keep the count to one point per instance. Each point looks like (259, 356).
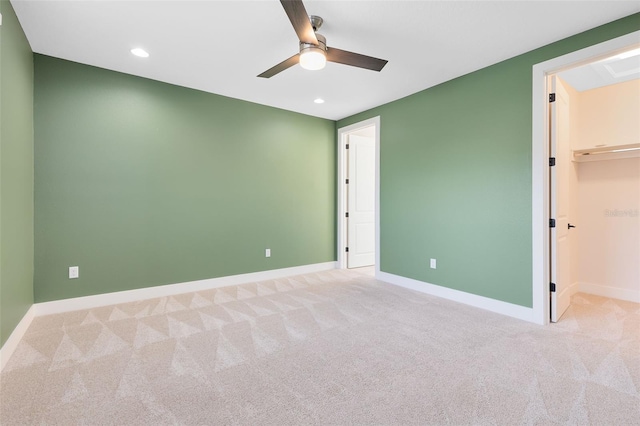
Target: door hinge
(552, 223)
(552, 287)
(346, 181)
(347, 146)
(346, 249)
(552, 161)
(552, 97)
(346, 214)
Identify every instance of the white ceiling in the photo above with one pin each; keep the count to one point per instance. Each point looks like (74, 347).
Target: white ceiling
(615, 69)
(221, 46)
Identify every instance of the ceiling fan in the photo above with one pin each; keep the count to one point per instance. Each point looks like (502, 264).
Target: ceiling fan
(314, 52)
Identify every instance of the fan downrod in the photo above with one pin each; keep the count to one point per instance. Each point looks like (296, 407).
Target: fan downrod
(316, 22)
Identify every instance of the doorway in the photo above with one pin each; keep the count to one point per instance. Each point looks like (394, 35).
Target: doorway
(595, 141)
(541, 169)
(358, 195)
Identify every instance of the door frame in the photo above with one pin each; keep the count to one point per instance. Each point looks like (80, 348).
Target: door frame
(342, 138)
(540, 160)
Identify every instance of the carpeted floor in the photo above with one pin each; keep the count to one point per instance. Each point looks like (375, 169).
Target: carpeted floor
(337, 348)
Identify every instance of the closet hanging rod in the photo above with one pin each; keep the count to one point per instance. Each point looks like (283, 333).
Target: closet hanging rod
(607, 149)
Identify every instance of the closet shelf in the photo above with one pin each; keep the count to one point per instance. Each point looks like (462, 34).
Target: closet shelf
(611, 152)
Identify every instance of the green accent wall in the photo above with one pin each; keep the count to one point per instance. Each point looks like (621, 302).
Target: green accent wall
(16, 173)
(142, 183)
(455, 175)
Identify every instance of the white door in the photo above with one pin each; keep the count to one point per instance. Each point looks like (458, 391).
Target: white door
(361, 201)
(559, 180)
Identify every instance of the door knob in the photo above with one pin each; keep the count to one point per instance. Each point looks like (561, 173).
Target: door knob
(570, 226)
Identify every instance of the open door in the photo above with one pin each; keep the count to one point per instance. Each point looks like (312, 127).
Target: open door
(361, 201)
(560, 149)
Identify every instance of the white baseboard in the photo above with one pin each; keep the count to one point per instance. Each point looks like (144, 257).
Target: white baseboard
(497, 306)
(12, 342)
(106, 299)
(574, 288)
(612, 292)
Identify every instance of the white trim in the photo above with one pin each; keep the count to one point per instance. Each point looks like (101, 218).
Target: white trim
(343, 133)
(574, 288)
(106, 299)
(12, 342)
(540, 163)
(611, 292)
(493, 305)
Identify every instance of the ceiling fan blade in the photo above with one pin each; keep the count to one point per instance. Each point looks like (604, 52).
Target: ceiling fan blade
(355, 59)
(300, 20)
(287, 63)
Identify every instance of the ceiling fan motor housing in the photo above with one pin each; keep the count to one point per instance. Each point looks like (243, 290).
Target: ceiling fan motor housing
(322, 44)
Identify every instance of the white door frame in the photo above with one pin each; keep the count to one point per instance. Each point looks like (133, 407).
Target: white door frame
(540, 159)
(343, 134)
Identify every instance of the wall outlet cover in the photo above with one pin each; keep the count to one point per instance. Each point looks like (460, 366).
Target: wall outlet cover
(74, 272)
(432, 264)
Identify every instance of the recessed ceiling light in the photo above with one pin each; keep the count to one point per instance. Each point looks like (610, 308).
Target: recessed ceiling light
(319, 101)
(140, 52)
(628, 54)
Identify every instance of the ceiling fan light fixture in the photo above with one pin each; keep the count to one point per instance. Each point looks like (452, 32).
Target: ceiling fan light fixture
(313, 58)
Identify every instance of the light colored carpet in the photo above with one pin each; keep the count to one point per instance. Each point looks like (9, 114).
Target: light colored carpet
(336, 347)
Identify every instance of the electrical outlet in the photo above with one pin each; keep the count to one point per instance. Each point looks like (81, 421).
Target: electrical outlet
(74, 272)
(267, 252)
(432, 264)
